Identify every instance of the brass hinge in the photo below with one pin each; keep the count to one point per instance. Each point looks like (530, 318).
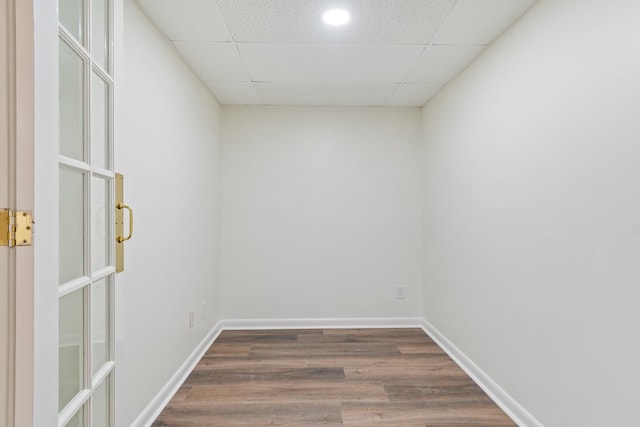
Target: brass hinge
(16, 228)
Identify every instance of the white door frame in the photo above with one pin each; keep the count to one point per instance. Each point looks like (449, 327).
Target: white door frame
(17, 148)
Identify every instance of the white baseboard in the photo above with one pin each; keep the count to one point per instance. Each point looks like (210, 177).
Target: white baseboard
(335, 323)
(507, 403)
(162, 399)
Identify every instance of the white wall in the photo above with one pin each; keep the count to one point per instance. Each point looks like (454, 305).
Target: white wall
(167, 149)
(321, 212)
(532, 222)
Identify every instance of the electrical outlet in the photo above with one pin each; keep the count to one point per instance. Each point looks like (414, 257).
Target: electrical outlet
(400, 292)
(192, 318)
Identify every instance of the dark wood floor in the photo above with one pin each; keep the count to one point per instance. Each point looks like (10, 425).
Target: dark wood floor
(330, 377)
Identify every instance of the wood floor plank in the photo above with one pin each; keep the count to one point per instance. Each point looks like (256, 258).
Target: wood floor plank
(414, 363)
(331, 377)
(245, 363)
(453, 389)
(228, 350)
(401, 336)
(288, 392)
(389, 333)
(422, 414)
(204, 375)
(411, 361)
(322, 349)
(442, 373)
(251, 415)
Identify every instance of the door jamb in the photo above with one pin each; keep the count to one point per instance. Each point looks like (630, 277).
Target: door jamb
(19, 55)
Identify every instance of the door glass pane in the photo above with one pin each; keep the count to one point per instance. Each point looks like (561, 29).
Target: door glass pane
(71, 103)
(70, 347)
(99, 121)
(99, 323)
(77, 420)
(100, 413)
(71, 239)
(100, 32)
(100, 220)
(71, 16)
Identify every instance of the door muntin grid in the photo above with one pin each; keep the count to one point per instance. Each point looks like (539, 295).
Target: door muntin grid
(86, 205)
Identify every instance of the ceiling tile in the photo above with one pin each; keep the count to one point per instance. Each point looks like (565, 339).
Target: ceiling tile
(194, 20)
(280, 51)
(324, 94)
(328, 63)
(214, 61)
(414, 94)
(234, 93)
(300, 21)
(479, 22)
(442, 63)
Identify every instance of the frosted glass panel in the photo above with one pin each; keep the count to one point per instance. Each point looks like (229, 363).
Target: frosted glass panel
(100, 220)
(99, 121)
(100, 411)
(70, 347)
(100, 323)
(71, 16)
(99, 32)
(71, 239)
(71, 103)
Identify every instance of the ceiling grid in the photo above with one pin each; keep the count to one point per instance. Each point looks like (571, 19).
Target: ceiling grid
(280, 52)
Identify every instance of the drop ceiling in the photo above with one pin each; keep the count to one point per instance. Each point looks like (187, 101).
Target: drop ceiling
(280, 52)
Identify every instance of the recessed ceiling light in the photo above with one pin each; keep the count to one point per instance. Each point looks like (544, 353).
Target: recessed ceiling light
(336, 17)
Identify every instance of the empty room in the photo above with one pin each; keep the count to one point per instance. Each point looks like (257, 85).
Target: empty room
(319, 213)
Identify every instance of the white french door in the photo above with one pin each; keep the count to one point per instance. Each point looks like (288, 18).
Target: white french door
(86, 209)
